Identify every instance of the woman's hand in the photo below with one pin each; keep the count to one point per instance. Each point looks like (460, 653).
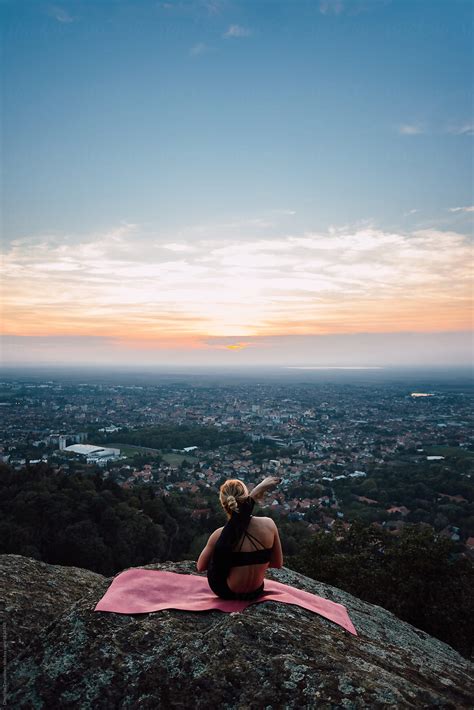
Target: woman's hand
(264, 486)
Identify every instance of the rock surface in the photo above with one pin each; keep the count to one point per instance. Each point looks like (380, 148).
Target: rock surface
(32, 594)
(270, 656)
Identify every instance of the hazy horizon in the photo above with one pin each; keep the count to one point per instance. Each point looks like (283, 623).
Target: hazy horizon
(387, 350)
(412, 379)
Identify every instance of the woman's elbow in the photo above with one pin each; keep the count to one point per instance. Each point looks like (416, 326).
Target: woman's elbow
(201, 564)
(277, 564)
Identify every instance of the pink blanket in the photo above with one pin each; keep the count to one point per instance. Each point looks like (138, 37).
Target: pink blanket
(139, 591)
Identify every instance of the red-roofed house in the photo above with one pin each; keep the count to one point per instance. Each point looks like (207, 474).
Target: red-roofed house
(398, 509)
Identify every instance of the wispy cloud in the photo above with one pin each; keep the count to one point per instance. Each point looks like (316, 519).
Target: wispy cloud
(413, 129)
(182, 247)
(350, 7)
(331, 7)
(60, 14)
(466, 129)
(461, 209)
(126, 285)
(198, 49)
(244, 226)
(236, 31)
(407, 214)
(410, 129)
(191, 8)
(214, 7)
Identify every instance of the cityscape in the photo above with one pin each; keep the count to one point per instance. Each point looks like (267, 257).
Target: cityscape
(335, 445)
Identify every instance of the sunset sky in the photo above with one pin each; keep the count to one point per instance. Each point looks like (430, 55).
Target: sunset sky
(237, 183)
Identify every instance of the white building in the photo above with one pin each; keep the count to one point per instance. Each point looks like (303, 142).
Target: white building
(94, 454)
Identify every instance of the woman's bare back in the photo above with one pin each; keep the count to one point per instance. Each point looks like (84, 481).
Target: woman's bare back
(247, 578)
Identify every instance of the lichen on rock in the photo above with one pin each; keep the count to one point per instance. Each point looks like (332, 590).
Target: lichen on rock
(269, 656)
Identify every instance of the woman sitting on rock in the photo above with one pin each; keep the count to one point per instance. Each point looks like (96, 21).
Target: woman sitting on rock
(237, 555)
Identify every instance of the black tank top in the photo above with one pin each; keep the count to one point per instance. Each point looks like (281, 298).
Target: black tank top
(259, 556)
(224, 556)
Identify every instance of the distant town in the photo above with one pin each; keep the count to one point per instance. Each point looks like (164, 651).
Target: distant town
(379, 452)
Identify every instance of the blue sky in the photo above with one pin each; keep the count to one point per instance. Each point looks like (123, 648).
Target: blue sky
(145, 111)
(179, 122)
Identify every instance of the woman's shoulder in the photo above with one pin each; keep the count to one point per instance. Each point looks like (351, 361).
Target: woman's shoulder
(213, 536)
(264, 521)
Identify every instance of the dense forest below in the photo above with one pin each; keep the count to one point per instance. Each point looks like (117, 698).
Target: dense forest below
(416, 575)
(433, 492)
(84, 520)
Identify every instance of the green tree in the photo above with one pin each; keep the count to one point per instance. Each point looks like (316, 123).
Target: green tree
(416, 575)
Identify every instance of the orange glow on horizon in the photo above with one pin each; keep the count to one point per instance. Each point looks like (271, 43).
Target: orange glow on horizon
(330, 319)
(224, 295)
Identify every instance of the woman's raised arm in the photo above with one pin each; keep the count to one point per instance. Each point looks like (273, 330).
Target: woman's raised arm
(261, 488)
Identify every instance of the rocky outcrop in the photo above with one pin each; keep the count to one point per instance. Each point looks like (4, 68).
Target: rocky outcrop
(270, 656)
(32, 594)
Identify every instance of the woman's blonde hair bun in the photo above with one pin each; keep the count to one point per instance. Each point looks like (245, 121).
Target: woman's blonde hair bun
(231, 493)
(232, 503)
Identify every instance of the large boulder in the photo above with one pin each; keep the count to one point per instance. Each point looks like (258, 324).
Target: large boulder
(269, 656)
